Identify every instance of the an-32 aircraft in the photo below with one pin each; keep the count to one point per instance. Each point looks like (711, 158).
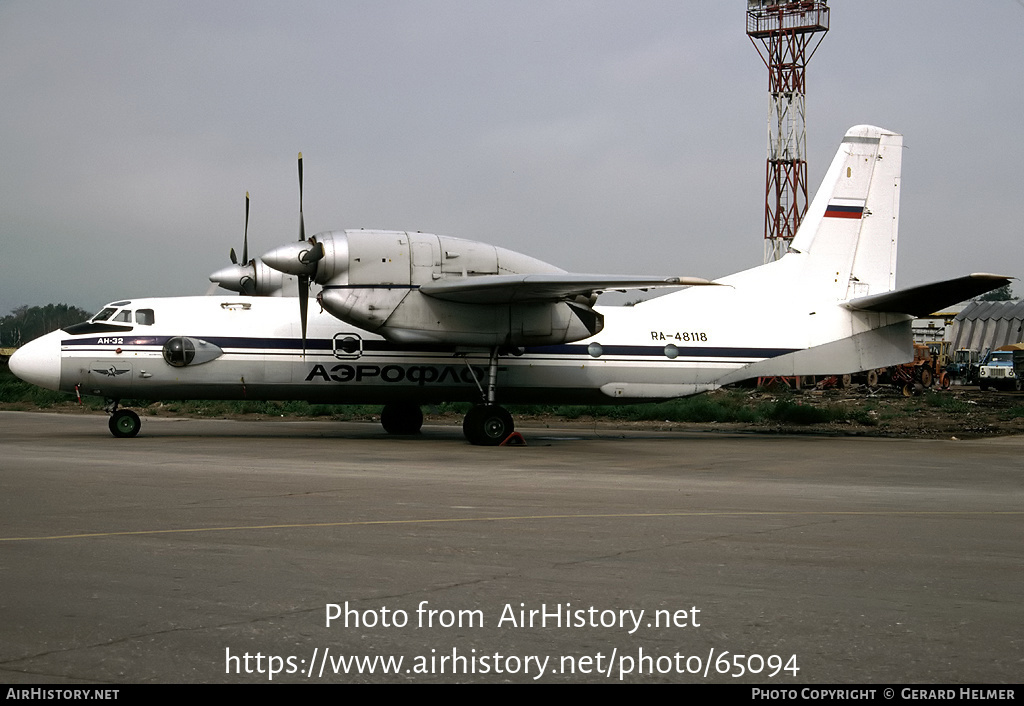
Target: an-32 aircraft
(409, 319)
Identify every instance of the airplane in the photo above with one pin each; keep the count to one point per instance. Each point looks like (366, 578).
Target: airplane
(410, 319)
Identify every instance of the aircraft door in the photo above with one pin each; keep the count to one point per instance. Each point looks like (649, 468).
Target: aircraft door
(110, 377)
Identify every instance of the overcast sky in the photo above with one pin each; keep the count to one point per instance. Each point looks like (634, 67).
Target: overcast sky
(618, 137)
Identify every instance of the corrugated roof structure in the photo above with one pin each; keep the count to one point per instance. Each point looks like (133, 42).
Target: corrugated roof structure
(988, 325)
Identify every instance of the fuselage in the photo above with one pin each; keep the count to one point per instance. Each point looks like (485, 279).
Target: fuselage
(251, 348)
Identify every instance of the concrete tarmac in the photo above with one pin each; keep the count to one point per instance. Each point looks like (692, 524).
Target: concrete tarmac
(214, 551)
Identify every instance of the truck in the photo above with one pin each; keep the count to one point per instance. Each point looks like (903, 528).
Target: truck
(997, 371)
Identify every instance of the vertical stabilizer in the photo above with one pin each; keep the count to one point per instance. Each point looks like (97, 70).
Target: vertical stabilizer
(849, 233)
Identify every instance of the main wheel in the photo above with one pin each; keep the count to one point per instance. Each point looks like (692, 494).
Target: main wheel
(401, 419)
(124, 423)
(487, 425)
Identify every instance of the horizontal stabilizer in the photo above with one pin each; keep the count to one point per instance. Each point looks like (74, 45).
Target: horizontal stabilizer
(927, 299)
(502, 289)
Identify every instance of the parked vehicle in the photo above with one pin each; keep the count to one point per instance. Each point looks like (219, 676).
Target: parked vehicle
(927, 368)
(964, 366)
(997, 371)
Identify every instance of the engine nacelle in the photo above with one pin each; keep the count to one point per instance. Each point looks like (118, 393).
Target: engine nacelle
(407, 316)
(254, 278)
(371, 279)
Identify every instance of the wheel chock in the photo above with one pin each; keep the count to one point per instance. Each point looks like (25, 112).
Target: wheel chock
(514, 439)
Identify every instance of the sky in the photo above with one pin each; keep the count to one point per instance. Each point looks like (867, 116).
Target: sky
(601, 136)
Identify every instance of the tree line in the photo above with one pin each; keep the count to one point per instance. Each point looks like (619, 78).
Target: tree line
(27, 322)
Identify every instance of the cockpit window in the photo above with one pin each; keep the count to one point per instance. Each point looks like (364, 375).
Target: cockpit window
(124, 316)
(145, 317)
(105, 314)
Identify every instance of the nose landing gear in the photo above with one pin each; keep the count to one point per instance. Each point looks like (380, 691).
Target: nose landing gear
(123, 423)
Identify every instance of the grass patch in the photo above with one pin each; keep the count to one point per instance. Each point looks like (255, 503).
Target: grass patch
(946, 402)
(730, 406)
(260, 408)
(13, 390)
(1015, 412)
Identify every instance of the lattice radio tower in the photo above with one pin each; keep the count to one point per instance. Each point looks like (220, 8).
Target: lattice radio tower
(786, 31)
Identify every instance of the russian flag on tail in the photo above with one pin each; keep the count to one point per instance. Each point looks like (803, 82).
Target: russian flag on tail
(834, 210)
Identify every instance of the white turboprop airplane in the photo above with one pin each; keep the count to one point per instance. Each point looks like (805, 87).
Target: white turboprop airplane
(409, 319)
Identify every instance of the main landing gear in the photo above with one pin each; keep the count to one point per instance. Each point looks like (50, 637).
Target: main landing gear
(488, 424)
(484, 425)
(401, 419)
(123, 423)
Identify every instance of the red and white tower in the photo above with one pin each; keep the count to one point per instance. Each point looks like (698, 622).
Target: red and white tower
(786, 32)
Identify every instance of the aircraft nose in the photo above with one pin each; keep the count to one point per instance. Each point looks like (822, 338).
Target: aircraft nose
(38, 361)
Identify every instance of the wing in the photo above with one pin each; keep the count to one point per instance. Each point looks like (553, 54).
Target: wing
(500, 289)
(926, 299)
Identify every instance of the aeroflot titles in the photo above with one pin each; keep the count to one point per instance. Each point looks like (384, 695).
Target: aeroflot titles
(420, 374)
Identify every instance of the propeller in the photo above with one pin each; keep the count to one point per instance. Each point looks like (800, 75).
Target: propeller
(308, 258)
(239, 278)
(300, 259)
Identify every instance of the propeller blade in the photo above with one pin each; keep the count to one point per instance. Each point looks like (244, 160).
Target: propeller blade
(303, 279)
(248, 285)
(313, 255)
(302, 224)
(245, 239)
(234, 258)
(303, 305)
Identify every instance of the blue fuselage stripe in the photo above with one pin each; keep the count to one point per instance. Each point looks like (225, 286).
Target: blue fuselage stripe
(286, 345)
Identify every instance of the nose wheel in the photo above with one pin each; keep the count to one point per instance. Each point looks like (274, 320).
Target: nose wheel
(124, 423)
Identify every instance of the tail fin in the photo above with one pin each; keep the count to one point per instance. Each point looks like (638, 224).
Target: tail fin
(849, 233)
(831, 301)
(845, 249)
